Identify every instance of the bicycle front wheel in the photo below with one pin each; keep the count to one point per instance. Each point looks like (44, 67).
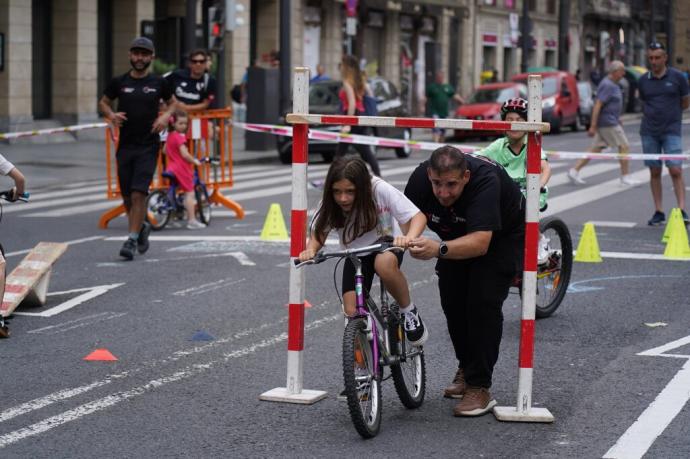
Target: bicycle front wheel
(362, 385)
(203, 207)
(158, 209)
(409, 376)
(554, 277)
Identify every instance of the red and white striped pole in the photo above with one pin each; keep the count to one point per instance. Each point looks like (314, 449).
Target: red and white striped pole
(523, 411)
(294, 392)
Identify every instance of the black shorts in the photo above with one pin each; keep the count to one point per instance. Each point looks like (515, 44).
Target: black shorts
(367, 270)
(135, 167)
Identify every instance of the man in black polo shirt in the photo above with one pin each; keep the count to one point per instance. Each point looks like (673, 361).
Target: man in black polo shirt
(477, 210)
(665, 93)
(139, 95)
(194, 89)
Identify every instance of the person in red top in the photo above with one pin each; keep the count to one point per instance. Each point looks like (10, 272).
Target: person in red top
(352, 101)
(181, 164)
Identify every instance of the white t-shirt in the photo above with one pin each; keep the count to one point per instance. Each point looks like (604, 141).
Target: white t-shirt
(5, 166)
(392, 208)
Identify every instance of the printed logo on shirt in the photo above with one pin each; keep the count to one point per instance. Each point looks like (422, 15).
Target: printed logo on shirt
(181, 93)
(127, 90)
(183, 84)
(148, 90)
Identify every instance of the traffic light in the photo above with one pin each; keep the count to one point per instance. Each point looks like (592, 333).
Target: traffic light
(216, 27)
(234, 19)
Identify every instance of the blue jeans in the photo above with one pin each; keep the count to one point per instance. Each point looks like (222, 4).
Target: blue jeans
(671, 145)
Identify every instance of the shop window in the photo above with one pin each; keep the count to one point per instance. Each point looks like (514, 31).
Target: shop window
(550, 6)
(532, 5)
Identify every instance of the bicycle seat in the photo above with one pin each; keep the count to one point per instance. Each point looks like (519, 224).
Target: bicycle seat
(168, 175)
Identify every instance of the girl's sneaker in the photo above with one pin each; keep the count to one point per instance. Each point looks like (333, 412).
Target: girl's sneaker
(195, 225)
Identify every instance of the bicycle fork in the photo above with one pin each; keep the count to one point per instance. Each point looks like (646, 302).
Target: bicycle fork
(372, 332)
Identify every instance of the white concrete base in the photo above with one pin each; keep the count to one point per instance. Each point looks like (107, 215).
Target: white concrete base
(510, 413)
(281, 394)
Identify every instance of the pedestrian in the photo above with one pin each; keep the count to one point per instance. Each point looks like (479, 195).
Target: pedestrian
(138, 94)
(510, 152)
(363, 209)
(194, 88)
(438, 95)
(352, 102)
(477, 211)
(605, 125)
(181, 164)
(320, 74)
(665, 94)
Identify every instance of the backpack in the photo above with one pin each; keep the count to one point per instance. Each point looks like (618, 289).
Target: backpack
(370, 108)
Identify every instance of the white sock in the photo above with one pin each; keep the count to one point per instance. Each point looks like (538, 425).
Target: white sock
(407, 308)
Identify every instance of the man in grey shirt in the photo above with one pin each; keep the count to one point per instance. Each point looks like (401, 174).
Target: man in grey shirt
(605, 126)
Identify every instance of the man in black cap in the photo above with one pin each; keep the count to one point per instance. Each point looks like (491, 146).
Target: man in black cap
(139, 95)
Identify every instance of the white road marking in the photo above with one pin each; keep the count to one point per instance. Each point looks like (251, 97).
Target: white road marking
(612, 224)
(637, 256)
(640, 436)
(229, 213)
(72, 242)
(76, 210)
(90, 292)
(78, 323)
(52, 203)
(587, 172)
(115, 398)
(239, 256)
(204, 288)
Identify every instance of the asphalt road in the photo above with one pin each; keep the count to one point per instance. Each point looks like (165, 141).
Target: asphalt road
(168, 395)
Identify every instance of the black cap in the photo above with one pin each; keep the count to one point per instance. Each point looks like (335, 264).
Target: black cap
(142, 43)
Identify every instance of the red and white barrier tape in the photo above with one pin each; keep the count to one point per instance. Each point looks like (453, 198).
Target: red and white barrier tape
(385, 142)
(73, 128)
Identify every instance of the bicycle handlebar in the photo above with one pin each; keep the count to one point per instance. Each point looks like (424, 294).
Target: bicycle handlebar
(7, 195)
(320, 257)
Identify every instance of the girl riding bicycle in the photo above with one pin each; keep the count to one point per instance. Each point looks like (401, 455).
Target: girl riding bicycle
(362, 209)
(511, 153)
(181, 164)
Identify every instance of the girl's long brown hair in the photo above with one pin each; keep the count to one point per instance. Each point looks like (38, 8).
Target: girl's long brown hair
(362, 218)
(353, 75)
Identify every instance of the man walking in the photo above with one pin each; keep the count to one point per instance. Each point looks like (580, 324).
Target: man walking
(665, 94)
(605, 126)
(477, 211)
(138, 94)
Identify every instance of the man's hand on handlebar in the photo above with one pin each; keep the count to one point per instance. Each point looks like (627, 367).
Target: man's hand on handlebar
(423, 248)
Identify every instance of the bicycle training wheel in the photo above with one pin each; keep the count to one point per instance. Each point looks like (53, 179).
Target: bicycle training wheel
(158, 208)
(362, 385)
(554, 277)
(409, 376)
(203, 207)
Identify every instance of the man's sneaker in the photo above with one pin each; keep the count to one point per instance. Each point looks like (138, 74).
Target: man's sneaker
(686, 220)
(477, 401)
(195, 225)
(143, 241)
(543, 250)
(457, 388)
(659, 218)
(626, 180)
(414, 328)
(128, 249)
(575, 178)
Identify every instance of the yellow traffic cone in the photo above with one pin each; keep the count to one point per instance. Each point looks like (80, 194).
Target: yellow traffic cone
(677, 246)
(675, 215)
(274, 226)
(588, 247)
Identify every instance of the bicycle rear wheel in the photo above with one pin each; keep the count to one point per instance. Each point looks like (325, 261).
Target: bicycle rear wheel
(159, 207)
(409, 376)
(362, 385)
(203, 207)
(554, 277)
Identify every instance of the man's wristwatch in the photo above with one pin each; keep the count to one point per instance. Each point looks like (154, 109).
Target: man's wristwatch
(442, 249)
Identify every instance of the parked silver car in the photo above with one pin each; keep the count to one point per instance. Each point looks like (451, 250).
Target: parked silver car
(584, 89)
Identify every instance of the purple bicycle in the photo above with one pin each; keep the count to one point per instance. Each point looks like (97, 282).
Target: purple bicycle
(373, 339)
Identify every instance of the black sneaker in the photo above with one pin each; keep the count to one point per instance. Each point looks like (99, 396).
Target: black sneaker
(143, 241)
(414, 327)
(128, 248)
(659, 218)
(686, 220)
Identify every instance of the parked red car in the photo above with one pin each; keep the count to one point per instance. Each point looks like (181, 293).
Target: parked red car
(560, 99)
(485, 104)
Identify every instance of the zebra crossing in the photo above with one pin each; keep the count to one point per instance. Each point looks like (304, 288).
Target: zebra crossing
(269, 180)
